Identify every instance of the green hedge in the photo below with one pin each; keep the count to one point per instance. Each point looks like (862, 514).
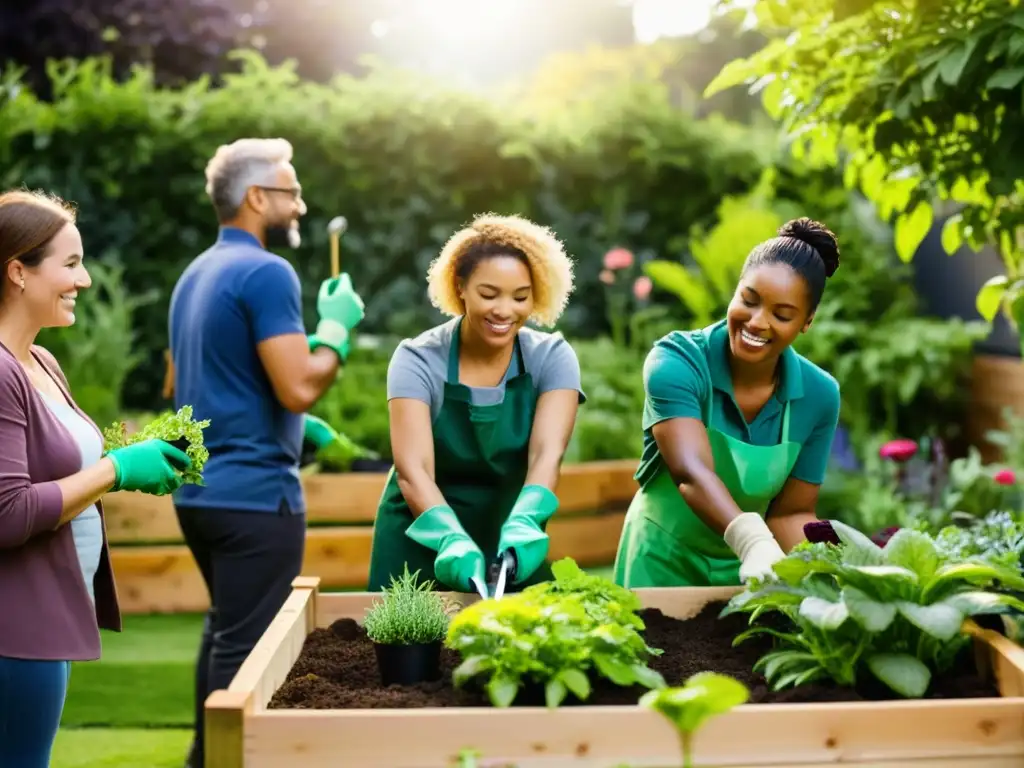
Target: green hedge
(406, 162)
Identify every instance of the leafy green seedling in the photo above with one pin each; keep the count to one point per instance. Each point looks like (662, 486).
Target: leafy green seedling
(557, 635)
(895, 611)
(409, 613)
(172, 427)
(689, 706)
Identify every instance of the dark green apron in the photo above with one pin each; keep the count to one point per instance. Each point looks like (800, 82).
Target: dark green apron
(480, 462)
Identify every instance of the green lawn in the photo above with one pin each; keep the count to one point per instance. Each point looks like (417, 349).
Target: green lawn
(144, 678)
(120, 748)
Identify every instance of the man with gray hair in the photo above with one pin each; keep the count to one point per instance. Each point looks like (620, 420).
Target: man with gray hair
(241, 358)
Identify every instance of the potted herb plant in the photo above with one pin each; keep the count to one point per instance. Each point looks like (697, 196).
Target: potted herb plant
(407, 627)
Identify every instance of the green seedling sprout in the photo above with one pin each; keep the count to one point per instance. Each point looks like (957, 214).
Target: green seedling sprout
(688, 707)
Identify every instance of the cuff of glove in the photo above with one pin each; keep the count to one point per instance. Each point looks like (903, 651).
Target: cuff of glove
(117, 472)
(434, 525)
(331, 334)
(536, 503)
(746, 531)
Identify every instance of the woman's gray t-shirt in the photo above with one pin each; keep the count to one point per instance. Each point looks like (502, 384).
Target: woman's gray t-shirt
(419, 367)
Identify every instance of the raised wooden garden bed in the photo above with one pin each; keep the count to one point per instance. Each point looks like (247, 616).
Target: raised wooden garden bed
(245, 728)
(155, 572)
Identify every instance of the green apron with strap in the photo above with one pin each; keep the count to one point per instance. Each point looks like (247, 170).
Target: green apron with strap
(481, 454)
(665, 544)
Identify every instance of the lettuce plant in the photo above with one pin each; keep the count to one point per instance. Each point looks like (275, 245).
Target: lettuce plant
(896, 611)
(555, 634)
(174, 427)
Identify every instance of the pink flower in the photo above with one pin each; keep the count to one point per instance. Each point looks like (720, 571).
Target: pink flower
(607, 277)
(618, 258)
(898, 450)
(642, 287)
(1005, 477)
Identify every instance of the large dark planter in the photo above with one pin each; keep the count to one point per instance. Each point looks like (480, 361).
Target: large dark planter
(408, 664)
(948, 286)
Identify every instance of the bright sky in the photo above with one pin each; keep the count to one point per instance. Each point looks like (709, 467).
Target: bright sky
(667, 18)
(651, 18)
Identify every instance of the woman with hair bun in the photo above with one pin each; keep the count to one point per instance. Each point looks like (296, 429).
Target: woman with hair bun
(482, 409)
(738, 428)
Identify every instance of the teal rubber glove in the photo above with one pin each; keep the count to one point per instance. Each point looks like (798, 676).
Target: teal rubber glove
(318, 432)
(340, 309)
(148, 466)
(522, 533)
(458, 559)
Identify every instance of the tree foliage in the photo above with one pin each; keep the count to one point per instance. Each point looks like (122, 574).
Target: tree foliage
(405, 160)
(920, 101)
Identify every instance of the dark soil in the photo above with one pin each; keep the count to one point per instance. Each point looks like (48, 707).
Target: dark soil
(337, 669)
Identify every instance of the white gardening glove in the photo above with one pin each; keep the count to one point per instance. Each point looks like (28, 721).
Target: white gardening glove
(748, 536)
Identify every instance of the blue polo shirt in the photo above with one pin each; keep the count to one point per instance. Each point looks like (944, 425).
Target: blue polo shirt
(230, 298)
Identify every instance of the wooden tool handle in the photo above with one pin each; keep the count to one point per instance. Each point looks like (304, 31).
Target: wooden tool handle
(335, 257)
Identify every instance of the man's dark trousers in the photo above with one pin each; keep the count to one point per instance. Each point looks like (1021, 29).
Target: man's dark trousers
(248, 561)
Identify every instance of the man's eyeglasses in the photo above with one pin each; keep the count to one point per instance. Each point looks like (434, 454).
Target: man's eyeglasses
(295, 192)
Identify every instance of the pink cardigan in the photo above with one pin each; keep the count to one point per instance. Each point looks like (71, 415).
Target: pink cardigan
(45, 610)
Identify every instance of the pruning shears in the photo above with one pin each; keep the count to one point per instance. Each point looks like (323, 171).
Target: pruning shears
(497, 575)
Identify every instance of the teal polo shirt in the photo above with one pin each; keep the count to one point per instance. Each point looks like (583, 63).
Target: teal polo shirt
(686, 375)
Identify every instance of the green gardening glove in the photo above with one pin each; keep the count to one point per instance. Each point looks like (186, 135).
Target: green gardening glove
(318, 432)
(458, 559)
(150, 466)
(522, 533)
(340, 310)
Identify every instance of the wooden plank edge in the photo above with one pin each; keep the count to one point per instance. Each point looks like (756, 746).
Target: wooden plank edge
(339, 556)
(225, 715)
(133, 517)
(247, 680)
(773, 734)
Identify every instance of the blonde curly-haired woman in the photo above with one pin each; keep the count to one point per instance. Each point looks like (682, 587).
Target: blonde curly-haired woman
(482, 409)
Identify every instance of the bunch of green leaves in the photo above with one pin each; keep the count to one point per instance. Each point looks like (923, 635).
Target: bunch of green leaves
(556, 636)
(896, 611)
(604, 601)
(410, 612)
(689, 706)
(169, 426)
(921, 103)
(997, 538)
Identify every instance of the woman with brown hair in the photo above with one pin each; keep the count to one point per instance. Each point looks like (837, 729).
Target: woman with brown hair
(56, 585)
(482, 409)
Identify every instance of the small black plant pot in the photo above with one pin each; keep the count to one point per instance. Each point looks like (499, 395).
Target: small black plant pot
(408, 664)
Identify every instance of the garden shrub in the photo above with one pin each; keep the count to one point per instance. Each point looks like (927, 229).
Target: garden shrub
(405, 160)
